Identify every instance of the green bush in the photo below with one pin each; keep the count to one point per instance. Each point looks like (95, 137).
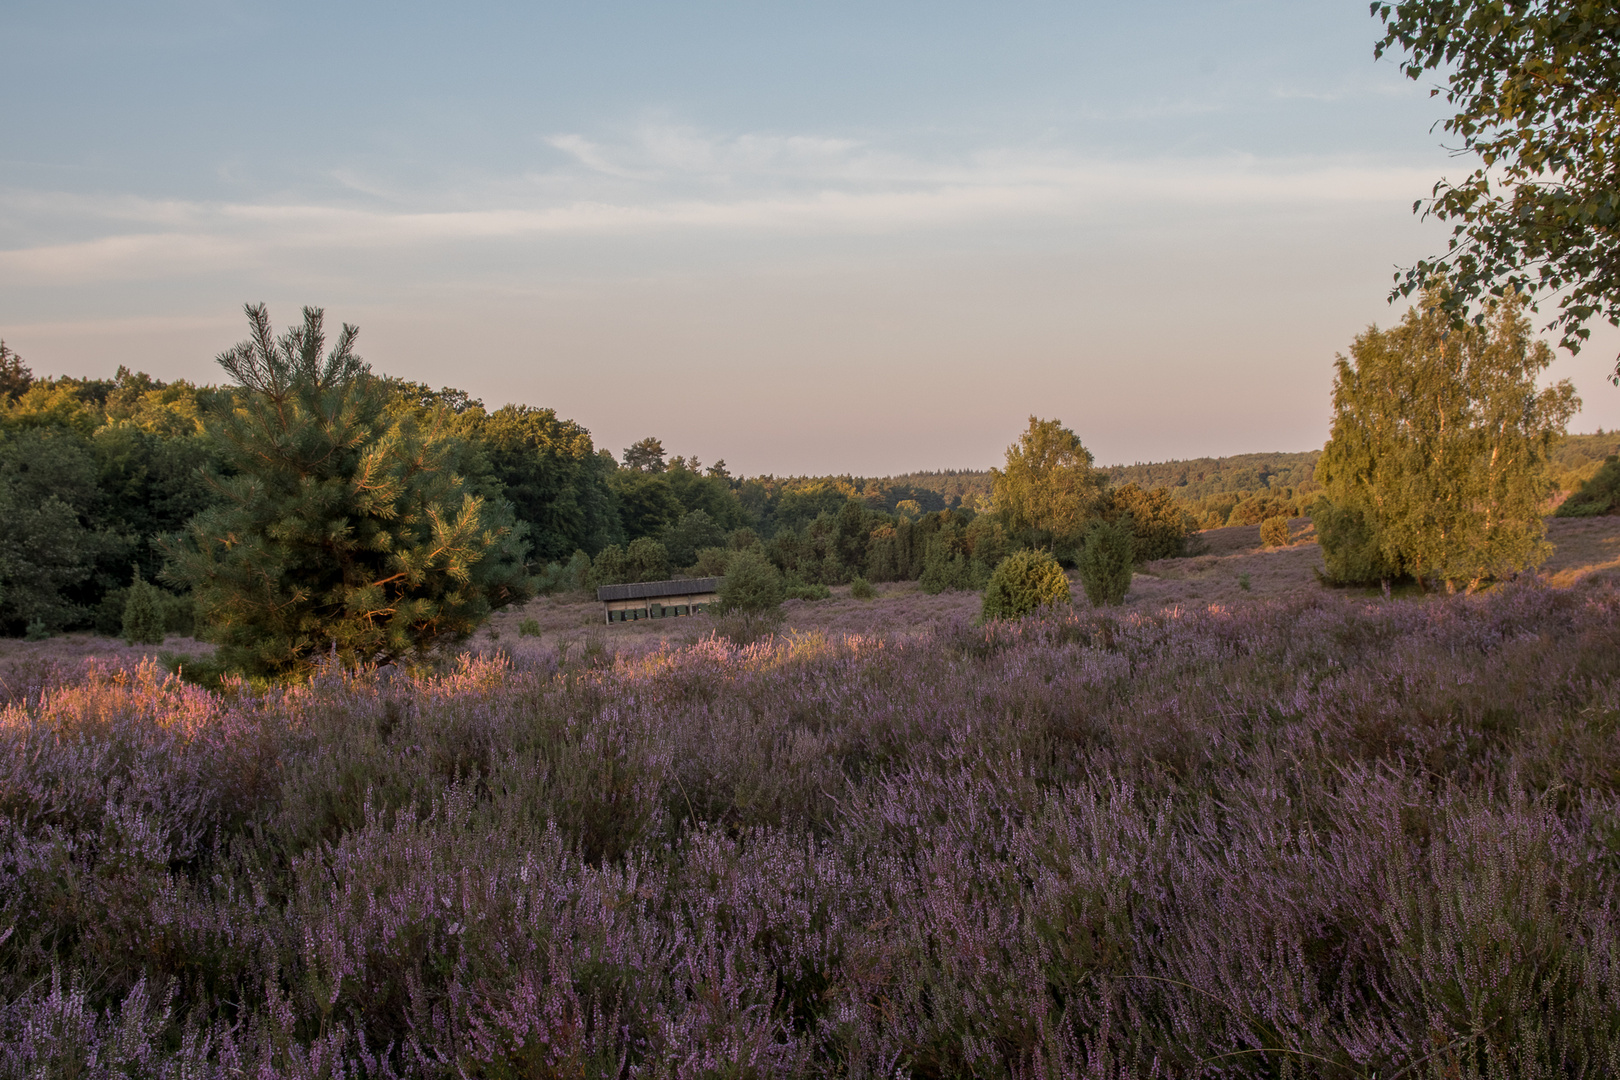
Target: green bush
(712, 562)
(1256, 508)
(1350, 547)
(750, 604)
(752, 585)
(813, 591)
(37, 631)
(861, 589)
(1159, 526)
(610, 567)
(143, 614)
(647, 560)
(564, 577)
(1023, 582)
(692, 533)
(179, 613)
(1598, 496)
(1274, 532)
(1104, 561)
(529, 628)
(945, 564)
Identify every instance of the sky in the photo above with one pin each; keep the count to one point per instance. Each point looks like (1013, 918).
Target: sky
(805, 238)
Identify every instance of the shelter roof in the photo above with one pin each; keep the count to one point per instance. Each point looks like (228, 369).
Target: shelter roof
(648, 590)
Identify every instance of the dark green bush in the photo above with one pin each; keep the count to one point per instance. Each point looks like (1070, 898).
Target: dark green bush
(143, 614)
(712, 562)
(1350, 546)
(1274, 532)
(1159, 527)
(813, 591)
(564, 577)
(752, 585)
(945, 563)
(644, 560)
(647, 559)
(861, 589)
(610, 567)
(1105, 560)
(1598, 496)
(1024, 582)
(689, 535)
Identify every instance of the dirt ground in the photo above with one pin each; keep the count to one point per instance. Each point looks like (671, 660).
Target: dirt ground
(1230, 565)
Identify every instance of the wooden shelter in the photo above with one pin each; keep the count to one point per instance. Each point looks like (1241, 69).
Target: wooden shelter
(657, 599)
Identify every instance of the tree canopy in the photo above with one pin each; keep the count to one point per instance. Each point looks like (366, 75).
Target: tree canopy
(1049, 488)
(1437, 462)
(1536, 88)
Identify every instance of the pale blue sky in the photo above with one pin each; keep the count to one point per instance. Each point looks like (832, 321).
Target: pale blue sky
(806, 238)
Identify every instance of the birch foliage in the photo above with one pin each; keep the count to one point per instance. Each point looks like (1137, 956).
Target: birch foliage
(1437, 462)
(1049, 490)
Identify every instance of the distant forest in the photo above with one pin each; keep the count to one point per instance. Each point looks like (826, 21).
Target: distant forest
(99, 477)
(1212, 489)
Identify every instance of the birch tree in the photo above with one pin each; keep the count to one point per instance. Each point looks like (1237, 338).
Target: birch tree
(1436, 466)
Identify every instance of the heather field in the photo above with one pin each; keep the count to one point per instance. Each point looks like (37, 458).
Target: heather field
(1316, 834)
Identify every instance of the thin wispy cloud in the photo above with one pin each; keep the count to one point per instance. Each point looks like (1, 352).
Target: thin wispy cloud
(668, 180)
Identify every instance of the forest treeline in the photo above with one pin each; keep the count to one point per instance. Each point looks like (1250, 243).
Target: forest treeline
(100, 479)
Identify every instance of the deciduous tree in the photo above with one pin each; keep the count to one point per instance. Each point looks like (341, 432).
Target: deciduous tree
(1536, 88)
(1049, 489)
(1439, 447)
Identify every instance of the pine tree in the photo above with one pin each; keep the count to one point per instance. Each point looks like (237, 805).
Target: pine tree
(1436, 466)
(341, 528)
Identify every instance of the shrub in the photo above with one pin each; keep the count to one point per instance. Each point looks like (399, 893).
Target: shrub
(1105, 561)
(945, 564)
(1159, 527)
(861, 589)
(529, 628)
(610, 567)
(1257, 508)
(1597, 496)
(1350, 547)
(752, 585)
(692, 533)
(1274, 532)
(143, 614)
(1024, 582)
(712, 562)
(564, 577)
(179, 612)
(647, 560)
(813, 591)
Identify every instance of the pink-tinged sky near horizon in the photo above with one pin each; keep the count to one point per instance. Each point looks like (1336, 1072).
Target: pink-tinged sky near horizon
(804, 238)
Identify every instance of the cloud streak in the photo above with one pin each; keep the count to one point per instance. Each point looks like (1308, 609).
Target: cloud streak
(666, 181)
